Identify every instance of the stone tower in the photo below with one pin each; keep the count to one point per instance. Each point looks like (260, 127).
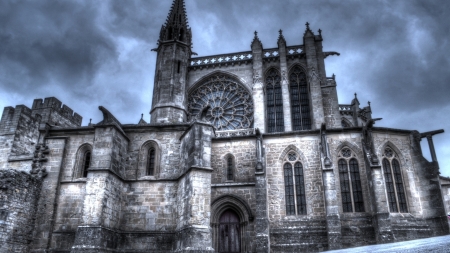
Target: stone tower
(174, 51)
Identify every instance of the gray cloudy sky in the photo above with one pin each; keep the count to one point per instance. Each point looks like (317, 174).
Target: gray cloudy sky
(98, 52)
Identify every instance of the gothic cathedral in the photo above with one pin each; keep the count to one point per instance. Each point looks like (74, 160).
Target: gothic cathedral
(245, 152)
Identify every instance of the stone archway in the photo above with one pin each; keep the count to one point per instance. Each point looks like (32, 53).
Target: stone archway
(230, 210)
(229, 239)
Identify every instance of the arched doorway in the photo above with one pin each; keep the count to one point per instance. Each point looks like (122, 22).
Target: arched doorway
(229, 232)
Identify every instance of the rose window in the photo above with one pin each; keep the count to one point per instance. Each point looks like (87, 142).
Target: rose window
(231, 106)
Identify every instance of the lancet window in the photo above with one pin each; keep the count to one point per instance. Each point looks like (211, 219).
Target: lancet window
(230, 167)
(394, 182)
(274, 102)
(300, 109)
(83, 160)
(350, 182)
(294, 185)
(151, 161)
(231, 105)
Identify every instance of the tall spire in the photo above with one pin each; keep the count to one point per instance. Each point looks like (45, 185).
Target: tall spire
(176, 27)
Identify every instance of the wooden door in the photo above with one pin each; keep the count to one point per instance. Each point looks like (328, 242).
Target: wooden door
(229, 233)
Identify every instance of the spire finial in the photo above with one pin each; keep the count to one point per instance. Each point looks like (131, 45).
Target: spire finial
(307, 25)
(334, 76)
(256, 34)
(281, 32)
(320, 32)
(355, 95)
(90, 121)
(142, 115)
(368, 103)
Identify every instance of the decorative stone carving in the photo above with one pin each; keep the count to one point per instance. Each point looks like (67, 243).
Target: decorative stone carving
(230, 104)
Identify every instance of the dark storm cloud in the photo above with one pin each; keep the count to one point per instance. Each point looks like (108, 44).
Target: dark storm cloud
(90, 53)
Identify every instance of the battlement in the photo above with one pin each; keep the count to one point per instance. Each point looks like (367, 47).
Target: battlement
(55, 104)
(11, 116)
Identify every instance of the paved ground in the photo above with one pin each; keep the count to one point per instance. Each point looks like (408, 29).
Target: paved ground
(429, 245)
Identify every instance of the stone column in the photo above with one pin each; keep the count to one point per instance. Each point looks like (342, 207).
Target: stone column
(331, 200)
(284, 84)
(314, 78)
(104, 185)
(262, 226)
(194, 233)
(258, 86)
(332, 208)
(381, 220)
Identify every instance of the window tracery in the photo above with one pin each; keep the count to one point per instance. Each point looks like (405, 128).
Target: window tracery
(301, 119)
(294, 185)
(350, 182)
(394, 183)
(274, 102)
(231, 106)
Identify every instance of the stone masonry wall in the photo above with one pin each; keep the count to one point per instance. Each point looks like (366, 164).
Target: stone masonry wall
(49, 194)
(169, 146)
(356, 227)
(149, 206)
(294, 233)
(19, 195)
(18, 136)
(244, 154)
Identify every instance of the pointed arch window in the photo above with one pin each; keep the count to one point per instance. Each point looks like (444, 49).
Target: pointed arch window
(294, 185)
(300, 109)
(394, 182)
(274, 102)
(149, 159)
(86, 162)
(350, 182)
(230, 167)
(83, 161)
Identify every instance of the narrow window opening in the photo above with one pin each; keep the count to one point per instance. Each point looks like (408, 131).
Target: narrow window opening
(356, 186)
(390, 186)
(274, 102)
(300, 109)
(394, 183)
(181, 37)
(151, 162)
(289, 189)
(350, 182)
(230, 168)
(300, 188)
(179, 65)
(345, 186)
(169, 37)
(86, 162)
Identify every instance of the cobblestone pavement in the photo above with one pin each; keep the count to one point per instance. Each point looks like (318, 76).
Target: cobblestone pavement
(429, 245)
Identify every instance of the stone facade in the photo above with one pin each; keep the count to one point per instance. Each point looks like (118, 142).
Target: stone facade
(289, 170)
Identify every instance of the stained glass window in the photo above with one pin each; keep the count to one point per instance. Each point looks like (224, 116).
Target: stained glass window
(345, 186)
(356, 186)
(394, 182)
(301, 119)
(294, 183)
(274, 102)
(289, 189)
(231, 105)
(300, 188)
(350, 181)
